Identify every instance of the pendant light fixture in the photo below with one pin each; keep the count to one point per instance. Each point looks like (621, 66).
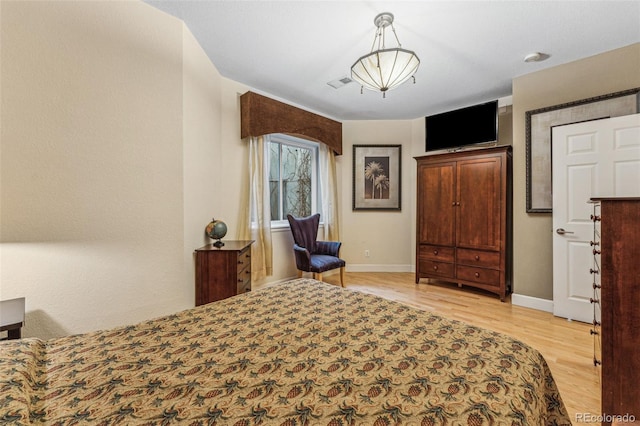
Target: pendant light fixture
(384, 69)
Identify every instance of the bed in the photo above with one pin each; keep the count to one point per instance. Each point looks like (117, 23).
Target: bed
(297, 353)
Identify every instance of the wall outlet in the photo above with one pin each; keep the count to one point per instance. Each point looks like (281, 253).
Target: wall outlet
(366, 253)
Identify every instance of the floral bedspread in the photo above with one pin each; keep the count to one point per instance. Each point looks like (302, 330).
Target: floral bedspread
(297, 353)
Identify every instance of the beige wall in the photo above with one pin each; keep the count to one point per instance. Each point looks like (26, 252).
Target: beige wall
(609, 72)
(386, 234)
(103, 103)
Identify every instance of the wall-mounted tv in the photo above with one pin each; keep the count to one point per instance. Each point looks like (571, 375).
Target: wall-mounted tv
(460, 127)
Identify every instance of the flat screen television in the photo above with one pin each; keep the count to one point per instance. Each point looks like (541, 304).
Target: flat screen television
(465, 126)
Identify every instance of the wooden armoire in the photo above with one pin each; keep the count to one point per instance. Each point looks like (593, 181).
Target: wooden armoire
(463, 225)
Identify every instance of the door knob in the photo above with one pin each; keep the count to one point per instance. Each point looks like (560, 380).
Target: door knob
(561, 231)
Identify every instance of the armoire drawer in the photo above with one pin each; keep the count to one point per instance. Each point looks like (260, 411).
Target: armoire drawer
(484, 259)
(478, 275)
(437, 253)
(440, 269)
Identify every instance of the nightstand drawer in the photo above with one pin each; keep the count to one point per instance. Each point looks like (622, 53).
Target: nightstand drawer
(244, 281)
(244, 271)
(244, 260)
(484, 259)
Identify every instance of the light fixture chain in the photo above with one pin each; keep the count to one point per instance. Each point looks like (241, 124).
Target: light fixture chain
(396, 35)
(375, 39)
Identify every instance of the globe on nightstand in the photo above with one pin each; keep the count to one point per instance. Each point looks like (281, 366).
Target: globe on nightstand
(216, 229)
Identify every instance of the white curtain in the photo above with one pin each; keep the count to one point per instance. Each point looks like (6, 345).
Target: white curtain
(329, 193)
(256, 224)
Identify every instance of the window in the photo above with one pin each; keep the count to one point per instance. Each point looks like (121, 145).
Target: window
(293, 177)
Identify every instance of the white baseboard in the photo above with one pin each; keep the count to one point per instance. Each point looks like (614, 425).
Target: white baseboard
(367, 267)
(532, 302)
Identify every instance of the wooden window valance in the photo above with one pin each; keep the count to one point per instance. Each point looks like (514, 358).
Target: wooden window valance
(260, 115)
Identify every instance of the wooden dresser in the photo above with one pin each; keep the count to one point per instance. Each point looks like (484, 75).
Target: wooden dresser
(464, 218)
(222, 272)
(620, 306)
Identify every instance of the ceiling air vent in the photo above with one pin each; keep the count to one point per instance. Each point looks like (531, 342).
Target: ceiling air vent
(336, 84)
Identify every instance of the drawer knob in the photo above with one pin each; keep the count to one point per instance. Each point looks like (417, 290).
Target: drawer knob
(435, 252)
(477, 275)
(477, 257)
(435, 267)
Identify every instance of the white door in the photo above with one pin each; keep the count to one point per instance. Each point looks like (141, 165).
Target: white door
(592, 159)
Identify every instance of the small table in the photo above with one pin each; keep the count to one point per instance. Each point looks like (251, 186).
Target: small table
(12, 317)
(223, 272)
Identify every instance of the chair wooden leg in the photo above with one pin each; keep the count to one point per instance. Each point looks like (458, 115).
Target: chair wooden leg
(342, 276)
(299, 273)
(318, 276)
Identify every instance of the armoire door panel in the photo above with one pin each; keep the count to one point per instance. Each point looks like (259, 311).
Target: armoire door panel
(437, 204)
(479, 193)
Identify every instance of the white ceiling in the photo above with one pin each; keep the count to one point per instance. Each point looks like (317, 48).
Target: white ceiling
(469, 50)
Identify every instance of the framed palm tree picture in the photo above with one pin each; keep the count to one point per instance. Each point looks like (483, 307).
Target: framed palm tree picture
(376, 177)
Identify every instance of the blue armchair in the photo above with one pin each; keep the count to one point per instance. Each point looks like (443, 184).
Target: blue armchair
(311, 255)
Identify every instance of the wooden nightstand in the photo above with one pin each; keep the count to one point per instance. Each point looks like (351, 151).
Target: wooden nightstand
(12, 317)
(222, 272)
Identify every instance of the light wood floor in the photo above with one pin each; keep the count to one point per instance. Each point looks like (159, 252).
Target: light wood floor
(567, 346)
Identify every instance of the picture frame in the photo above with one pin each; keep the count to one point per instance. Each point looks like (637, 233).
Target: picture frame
(377, 177)
(539, 125)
